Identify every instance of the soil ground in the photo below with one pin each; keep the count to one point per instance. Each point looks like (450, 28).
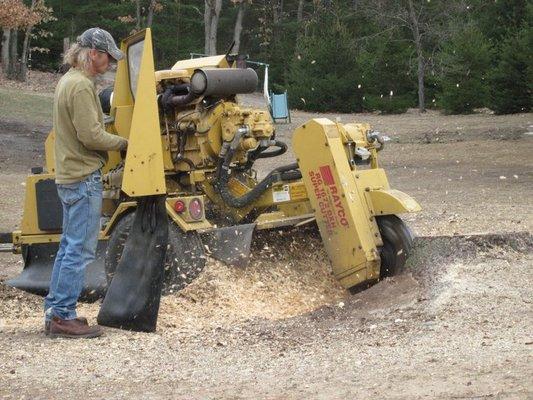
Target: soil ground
(456, 324)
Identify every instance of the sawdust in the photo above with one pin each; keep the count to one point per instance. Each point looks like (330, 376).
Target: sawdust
(222, 296)
(289, 276)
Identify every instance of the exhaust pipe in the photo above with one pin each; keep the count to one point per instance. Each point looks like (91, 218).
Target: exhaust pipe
(223, 81)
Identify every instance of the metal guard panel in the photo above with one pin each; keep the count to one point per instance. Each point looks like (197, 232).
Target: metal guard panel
(342, 214)
(202, 62)
(391, 201)
(144, 170)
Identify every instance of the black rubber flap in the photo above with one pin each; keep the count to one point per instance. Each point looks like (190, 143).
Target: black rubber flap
(49, 208)
(230, 245)
(39, 261)
(132, 299)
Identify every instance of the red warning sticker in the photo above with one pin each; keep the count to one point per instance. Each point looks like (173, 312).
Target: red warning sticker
(325, 171)
(330, 206)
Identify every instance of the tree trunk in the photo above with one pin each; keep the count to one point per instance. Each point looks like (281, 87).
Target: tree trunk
(275, 11)
(207, 26)
(13, 55)
(215, 14)
(137, 15)
(420, 55)
(421, 73)
(300, 13)
(178, 24)
(238, 27)
(5, 51)
(23, 72)
(150, 17)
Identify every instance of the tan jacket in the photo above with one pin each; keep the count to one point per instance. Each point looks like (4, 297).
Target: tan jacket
(81, 143)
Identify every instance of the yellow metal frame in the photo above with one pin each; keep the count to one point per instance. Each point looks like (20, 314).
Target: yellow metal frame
(186, 224)
(390, 201)
(349, 232)
(29, 224)
(190, 65)
(49, 152)
(144, 173)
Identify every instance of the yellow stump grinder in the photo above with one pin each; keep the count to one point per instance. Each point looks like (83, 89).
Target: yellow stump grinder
(194, 145)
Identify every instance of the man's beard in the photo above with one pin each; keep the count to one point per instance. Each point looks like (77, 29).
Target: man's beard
(104, 80)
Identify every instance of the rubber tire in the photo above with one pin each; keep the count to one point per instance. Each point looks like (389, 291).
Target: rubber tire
(185, 257)
(397, 244)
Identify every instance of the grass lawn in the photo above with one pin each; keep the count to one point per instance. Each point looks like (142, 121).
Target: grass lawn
(31, 108)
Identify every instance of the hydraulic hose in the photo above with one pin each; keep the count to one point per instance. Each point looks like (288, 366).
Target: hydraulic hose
(177, 95)
(275, 175)
(223, 173)
(291, 175)
(282, 148)
(260, 153)
(227, 151)
(185, 160)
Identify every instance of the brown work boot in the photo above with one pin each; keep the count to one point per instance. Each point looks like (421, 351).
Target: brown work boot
(81, 320)
(73, 328)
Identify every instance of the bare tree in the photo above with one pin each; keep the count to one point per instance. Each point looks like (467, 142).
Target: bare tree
(144, 16)
(153, 8)
(427, 22)
(5, 48)
(37, 13)
(238, 23)
(14, 15)
(300, 12)
(277, 9)
(211, 16)
(137, 15)
(414, 26)
(13, 65)
(25, 46)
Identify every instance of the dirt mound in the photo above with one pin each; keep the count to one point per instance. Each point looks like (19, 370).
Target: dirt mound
(426, 283)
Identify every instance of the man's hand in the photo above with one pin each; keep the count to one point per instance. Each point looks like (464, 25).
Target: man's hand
(124, 149)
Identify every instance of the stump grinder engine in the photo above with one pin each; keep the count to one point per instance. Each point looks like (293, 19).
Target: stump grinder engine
(191, 140)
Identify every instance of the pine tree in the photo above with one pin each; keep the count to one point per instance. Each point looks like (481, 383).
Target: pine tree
(512, 80)
(387, 83)
(323, 75)
(466, 67)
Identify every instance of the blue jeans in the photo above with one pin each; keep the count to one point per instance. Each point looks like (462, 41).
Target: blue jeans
(82, 206)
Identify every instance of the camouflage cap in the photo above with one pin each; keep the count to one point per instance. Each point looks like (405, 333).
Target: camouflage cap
(99, 39)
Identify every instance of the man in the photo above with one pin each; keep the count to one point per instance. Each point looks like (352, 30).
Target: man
(81, 146)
